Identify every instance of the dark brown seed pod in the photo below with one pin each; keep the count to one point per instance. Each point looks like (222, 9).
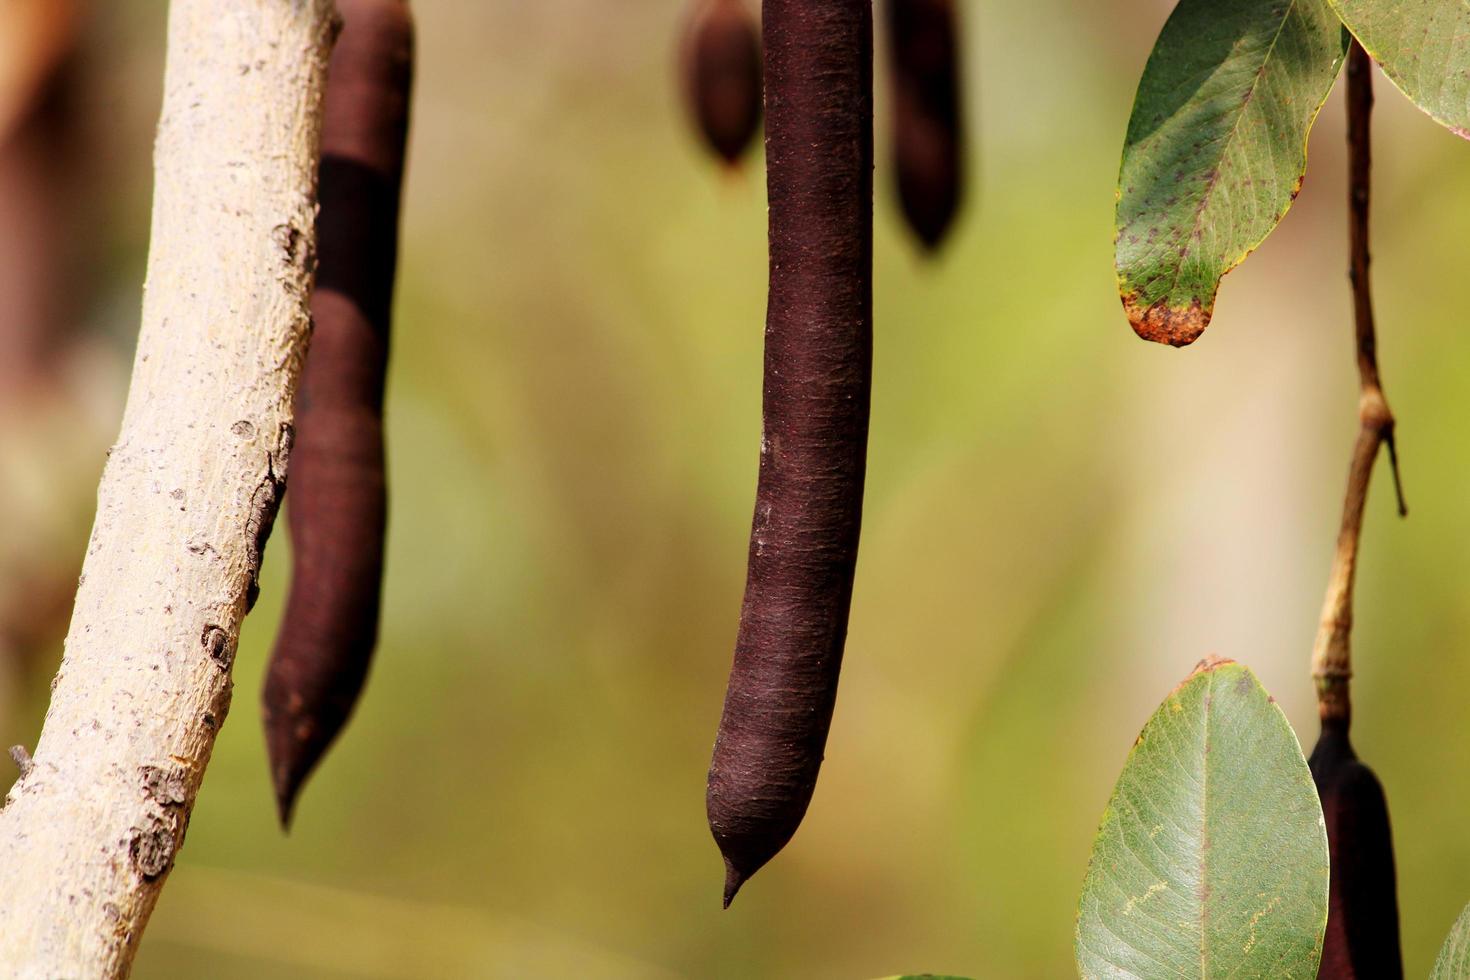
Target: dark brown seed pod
(1362, 917)
(721, 65)
(818, 366)
(338, 506)
(927, 127)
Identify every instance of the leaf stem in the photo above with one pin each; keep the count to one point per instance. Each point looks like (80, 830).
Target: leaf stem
(1332, 653)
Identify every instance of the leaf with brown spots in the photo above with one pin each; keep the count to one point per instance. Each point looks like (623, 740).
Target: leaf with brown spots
(1216, 150)
(1423, 47)
(1211, 860)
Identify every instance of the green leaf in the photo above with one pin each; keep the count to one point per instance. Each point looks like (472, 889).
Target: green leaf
(1211, 860)
(1216, 150)
(1424, 48)
(1454, 955)
(926, 976)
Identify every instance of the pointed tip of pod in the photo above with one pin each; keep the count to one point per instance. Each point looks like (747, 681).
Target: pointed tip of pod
(286, 790)
(291, 761)
(751, 822)
(742, 864)
(306, 701)
(745, 854)
(299, 729)
(734, 878)
(285, 808)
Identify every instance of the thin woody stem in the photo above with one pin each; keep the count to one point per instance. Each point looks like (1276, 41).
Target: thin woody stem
(1332, 653)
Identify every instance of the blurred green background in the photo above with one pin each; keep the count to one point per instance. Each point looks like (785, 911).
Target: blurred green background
(1060, 521)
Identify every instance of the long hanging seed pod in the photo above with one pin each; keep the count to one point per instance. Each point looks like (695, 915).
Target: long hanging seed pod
(818, 366)
(721, 68)
(338, 507)
(927, 128)
(1362, 938)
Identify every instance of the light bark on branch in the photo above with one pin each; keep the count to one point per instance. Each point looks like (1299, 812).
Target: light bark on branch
(188, 495)
(1332, 662)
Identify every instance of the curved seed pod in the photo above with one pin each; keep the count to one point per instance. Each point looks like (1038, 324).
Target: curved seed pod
(818, 365)
(338, 503)
(1363, 917)
(721, 65)
(927, 138)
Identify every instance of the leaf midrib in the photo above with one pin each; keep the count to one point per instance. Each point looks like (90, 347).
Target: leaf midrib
(1229, 141)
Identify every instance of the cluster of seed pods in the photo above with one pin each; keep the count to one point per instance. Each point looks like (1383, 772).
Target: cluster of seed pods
(818, 363)
(337, 509)
(804, 539)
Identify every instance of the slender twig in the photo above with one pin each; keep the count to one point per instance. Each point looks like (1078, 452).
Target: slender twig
(1332, 654)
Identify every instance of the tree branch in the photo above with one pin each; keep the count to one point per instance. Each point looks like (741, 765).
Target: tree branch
(89, 833)
(1332, 653)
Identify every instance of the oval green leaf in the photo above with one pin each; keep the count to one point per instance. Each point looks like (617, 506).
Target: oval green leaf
(1423, 47)
(1211, 860)
(1216, 150)
(1454, 955)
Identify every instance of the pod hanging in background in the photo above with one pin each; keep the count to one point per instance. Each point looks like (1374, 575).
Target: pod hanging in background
(818, 368)
(928, 138)
(721, 68)
(338, 503)
(38, 117)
